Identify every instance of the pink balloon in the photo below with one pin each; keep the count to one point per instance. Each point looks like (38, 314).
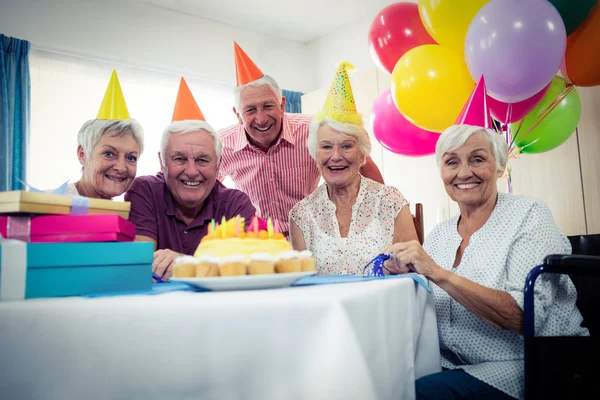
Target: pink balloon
(396, 133)
(499, 109)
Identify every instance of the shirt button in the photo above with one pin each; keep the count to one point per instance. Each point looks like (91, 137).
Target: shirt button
(185, 231)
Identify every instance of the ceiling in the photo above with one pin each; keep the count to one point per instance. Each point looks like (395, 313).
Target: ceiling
(298, 20)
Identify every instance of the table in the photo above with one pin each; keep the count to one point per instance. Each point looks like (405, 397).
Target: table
(367, 340)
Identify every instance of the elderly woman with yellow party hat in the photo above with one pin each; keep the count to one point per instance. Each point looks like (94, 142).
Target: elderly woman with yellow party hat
(349, 219)
(108, 148)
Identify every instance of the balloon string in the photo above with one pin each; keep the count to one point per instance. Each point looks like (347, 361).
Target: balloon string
(515, 135)
(569, 87)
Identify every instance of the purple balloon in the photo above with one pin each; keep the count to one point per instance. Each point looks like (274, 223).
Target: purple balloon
(396, 133)
(517, 45)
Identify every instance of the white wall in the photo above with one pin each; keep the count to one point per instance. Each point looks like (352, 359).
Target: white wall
(144, 35)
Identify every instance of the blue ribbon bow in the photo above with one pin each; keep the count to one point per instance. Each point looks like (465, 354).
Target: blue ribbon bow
(376, 266)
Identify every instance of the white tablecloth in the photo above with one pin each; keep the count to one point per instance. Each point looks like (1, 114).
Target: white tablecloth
(366, 340)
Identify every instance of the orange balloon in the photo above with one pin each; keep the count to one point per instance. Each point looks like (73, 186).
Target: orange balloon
(583, 48)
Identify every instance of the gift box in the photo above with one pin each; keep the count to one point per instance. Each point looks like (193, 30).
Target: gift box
(34, 270)
(18, 201)
(67, 228)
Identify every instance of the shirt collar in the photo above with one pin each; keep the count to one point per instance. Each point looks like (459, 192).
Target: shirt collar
(324, 200)
(208, 208)
(242, 142)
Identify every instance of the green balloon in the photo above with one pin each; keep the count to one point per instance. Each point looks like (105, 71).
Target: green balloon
(558, 125)
(574, 12)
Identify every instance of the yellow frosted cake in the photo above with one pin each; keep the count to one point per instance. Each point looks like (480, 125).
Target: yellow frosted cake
(255, 251)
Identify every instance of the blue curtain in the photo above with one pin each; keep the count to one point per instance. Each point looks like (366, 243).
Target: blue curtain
(293, 102)
(14, 111)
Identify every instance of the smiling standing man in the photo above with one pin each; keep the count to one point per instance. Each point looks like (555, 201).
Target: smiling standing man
(266, 155)
(174, 208)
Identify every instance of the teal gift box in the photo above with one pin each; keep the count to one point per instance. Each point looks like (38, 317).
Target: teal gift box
(34, 270)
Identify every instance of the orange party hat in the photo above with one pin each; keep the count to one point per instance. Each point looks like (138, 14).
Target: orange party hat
(186, 107)
(245, 69)
(113, 104)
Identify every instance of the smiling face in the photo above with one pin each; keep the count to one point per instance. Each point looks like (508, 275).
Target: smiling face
(111, 165)
(339, 157)
(470, 173)
(190, 167)
(262, 114)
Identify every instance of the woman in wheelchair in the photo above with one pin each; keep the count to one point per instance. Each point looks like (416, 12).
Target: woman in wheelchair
(478, 262)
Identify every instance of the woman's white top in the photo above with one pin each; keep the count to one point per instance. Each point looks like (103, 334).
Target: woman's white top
(371, 228)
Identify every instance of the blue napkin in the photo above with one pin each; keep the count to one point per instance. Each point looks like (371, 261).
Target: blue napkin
(157, 288)
(334, 279)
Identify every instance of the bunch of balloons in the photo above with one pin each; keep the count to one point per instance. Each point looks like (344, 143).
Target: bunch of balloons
(436, 51)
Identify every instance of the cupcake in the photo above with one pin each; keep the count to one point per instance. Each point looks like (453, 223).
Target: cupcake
(288, 262)
(233, 265)
(207, 266)
(184, 267)
(307, 261)
(261, 263)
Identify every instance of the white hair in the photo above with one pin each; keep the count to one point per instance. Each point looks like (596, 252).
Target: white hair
(357, 131)
(92, 131)
(455, 137)
(265, 80)
(188, 126)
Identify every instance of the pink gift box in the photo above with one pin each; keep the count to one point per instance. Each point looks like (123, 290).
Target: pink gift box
(68, 228)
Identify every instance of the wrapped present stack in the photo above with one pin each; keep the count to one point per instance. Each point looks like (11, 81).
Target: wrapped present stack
(55, 244)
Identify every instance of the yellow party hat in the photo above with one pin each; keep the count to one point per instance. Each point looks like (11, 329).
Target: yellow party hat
(113, 105)
(340, 104)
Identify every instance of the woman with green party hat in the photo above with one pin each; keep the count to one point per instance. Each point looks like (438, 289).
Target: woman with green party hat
(349, 219)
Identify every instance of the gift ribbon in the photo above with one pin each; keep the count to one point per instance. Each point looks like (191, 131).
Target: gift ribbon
(80, 205)
(377, 266)
(18, 228)
(13, 269)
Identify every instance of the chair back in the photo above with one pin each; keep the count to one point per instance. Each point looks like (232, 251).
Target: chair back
(418, 220)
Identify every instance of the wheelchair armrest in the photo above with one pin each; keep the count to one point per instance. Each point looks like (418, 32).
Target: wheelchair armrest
(557, 264)
(580, 265)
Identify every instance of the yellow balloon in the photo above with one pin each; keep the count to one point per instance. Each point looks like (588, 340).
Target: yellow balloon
(447, 21)
(430, 86)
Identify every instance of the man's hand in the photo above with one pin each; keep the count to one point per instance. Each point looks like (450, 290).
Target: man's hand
(163, 263)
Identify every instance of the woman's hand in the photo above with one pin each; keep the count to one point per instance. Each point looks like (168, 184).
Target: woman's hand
(407, 256)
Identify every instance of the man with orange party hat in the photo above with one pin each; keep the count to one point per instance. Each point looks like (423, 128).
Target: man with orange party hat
(265, 155)
(174, 208)
(108, 148)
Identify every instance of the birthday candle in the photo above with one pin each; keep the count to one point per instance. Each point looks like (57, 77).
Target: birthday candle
(223, 227)
(255, 223)
(269, 227)
(213, 228)
(237, 226)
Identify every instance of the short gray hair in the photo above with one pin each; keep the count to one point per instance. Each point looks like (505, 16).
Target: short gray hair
(92, 131)
(357, 131)
(455, 137)
(265, 80)
(188, 126)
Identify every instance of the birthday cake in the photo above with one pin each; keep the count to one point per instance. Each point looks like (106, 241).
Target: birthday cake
(231, 250)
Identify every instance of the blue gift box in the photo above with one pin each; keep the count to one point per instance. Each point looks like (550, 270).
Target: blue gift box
(73, 269)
